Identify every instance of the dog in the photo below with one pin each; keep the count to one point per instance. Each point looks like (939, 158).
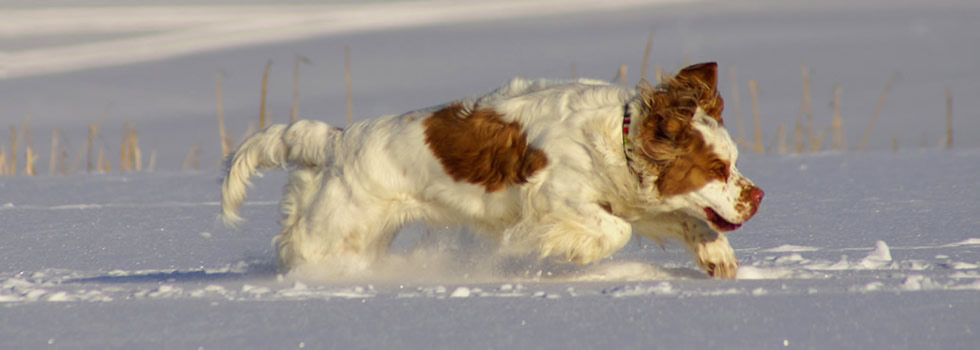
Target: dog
(560, 169)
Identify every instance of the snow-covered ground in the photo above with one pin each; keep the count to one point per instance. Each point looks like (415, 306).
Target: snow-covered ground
(849, 251)
(853, 250)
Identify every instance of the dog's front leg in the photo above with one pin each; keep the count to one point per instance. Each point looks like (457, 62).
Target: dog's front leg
(714, 254)
(709, 248)
(581, 234)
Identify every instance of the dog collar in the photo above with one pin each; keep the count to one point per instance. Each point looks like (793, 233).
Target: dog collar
(627, 144)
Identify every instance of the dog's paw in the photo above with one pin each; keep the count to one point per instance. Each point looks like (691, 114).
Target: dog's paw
(587, 253)
(717, 258)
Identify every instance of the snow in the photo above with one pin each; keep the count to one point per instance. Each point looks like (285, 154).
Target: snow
(162, 32)
(461, 292)
(785, 248)
(849, 250)
(129, 270)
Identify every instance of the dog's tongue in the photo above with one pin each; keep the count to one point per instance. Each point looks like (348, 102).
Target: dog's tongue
(720, 223)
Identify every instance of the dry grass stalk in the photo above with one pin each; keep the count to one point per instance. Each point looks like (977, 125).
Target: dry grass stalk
(622, 75)
(740, 128)
(798, 144)
(225, 140)
(874, 117)
(197, 156)
(3, 160)
(63, 162)
(76, 162)
(574, 74)
(347, 83)
(188, 160)
(819, 137)
(135, 154)
(265, 86)
(230, 141)
(12, 168)
(101, 155)
(815, 138)
(806, 112)
(646, 56)
(781, 139)
(754, 91)
(193, 158)
(837, 124)
(124, 164)
(248, 132)
(53, 164)
(659, 72)
(294, 113)
(26, 134)
(687, 60)
(949, 118)
(295, 110)
(29, 169)
(92, 131)
(153, 161)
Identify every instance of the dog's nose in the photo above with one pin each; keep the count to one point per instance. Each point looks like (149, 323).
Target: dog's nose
(756, 194)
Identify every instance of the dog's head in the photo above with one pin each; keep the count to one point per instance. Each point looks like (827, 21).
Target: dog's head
(683, 150)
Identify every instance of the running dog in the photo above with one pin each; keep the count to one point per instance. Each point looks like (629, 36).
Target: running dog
(561, 169)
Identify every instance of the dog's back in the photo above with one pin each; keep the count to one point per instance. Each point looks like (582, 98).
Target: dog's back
(369, 179)
(543, 166)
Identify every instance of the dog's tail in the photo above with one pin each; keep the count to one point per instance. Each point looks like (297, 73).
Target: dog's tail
(303, 143)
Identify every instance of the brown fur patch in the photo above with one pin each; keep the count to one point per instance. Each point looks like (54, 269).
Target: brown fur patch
(481, 148)
(752, 196)
(669, 143)
(697, 84)
(691, 170)
(703, 78)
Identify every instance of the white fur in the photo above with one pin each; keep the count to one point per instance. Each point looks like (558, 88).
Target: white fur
(720, 196)
(350, 191)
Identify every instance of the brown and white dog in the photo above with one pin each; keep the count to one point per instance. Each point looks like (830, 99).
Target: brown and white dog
(568, 169)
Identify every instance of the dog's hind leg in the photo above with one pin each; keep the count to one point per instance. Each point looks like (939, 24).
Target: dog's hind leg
(343, 231)
(298, 195)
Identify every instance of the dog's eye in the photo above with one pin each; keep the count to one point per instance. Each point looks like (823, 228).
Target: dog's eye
(721, 170)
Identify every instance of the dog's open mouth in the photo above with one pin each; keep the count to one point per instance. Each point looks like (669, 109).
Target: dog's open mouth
(719, 222)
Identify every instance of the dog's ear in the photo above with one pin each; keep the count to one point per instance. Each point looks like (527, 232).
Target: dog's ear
(667, 119)
(662, 134)
(668, 110)
(703, 79)
(705, 74)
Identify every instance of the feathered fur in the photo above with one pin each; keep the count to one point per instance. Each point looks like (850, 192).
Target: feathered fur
(540, 165)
